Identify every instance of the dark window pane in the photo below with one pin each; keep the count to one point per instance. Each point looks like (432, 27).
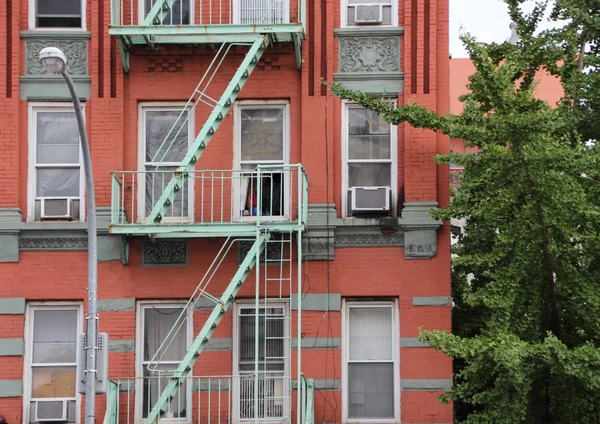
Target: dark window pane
(369, 175)
(59, 7)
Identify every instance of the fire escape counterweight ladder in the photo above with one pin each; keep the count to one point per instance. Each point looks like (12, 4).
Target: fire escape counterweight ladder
(208, 129)
(199, 343)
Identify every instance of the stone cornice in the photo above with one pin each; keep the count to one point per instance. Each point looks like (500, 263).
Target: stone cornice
(368, 31)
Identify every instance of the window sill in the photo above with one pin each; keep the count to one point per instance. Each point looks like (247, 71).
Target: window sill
(368, 31)
(56, 34)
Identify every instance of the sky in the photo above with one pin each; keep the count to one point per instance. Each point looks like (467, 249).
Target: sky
(487, 20)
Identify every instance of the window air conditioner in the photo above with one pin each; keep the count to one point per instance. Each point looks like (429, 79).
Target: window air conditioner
(368, 14)
(51, 410)
(371, 199)
(56, 208)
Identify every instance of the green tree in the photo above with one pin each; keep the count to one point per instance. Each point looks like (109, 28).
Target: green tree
(526, 272)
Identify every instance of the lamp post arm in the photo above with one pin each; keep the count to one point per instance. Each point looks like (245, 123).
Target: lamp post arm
(92, 314)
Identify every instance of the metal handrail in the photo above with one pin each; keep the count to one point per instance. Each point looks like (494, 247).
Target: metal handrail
(213, 196)
(111, 415)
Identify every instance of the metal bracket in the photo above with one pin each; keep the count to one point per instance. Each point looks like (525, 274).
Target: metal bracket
(298, 50)
(124, 251)
(124, 50)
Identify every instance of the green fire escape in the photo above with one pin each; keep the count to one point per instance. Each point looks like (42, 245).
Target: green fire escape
(139, 208)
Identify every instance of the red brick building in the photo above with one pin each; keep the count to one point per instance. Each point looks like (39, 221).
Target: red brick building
(327, 201)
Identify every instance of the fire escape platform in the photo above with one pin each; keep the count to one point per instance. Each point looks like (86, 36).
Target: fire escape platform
(200, 34)
(199, 230)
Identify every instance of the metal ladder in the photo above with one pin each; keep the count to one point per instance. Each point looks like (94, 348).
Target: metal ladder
(222, 305)
(212, 123)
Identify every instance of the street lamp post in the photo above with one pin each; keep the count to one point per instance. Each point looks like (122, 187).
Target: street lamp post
(55, 61)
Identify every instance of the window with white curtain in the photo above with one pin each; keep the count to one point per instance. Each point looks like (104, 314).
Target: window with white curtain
(166, 134)
(273, 361)
(369, 151)
(56, 173)
(262, 134)
(51, 353)
(370, 361)
(165, 338)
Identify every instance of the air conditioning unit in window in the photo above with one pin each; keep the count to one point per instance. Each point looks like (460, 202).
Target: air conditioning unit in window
(368, 14)
(51, 411)
(56, 208)
(370, 199)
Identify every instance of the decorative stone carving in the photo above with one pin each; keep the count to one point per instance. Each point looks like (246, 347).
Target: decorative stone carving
(164, 253)
(43, 243)
(420, 230)
(369, 54)
(273, 250)
(368, 239)
(420, 243)
(318, 248)
(75, 50)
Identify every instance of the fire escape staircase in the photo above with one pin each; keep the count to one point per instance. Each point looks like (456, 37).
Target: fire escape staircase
(256, 37)
(208, 129)
(222, 305)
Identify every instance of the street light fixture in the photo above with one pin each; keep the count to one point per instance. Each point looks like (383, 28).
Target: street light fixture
(55, 61)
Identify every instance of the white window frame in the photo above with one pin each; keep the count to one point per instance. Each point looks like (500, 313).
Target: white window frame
(142, 12)
(33, 110)
(251, 304)
(139, 355)
(28, 362)
(344, 16)
(141, 182)
(237, 151)
(32, 19)
(346, 105)
(346, 305)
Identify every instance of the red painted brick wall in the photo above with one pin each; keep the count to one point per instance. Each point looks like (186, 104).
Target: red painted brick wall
(112, 121)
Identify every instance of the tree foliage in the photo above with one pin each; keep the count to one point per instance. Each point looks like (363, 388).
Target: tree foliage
(526, 272)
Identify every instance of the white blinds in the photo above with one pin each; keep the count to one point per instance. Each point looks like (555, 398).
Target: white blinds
(370, 332)
(371, 361)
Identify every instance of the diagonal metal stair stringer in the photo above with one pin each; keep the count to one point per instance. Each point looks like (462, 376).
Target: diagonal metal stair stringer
(159, 11)
(208, 129)
(199, 343)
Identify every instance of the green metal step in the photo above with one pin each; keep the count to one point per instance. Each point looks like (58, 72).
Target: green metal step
(208, 129)
(221, 307)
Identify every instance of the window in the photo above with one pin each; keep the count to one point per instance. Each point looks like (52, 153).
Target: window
(273, 361)
(51, 354)
(369, 12)
(57, 14)
(263, 12)
(370, 155)
(262, 134)
(370, 381)
(166, 134)
(180, 14)
(163, 340)
(56, 181)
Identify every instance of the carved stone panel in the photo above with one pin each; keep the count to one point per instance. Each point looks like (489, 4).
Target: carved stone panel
(164, 253)
(318, 248)
(53, 243)
(75, 50)
(368, 239)
(273, 249)
(420, 243)
(369, 54)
